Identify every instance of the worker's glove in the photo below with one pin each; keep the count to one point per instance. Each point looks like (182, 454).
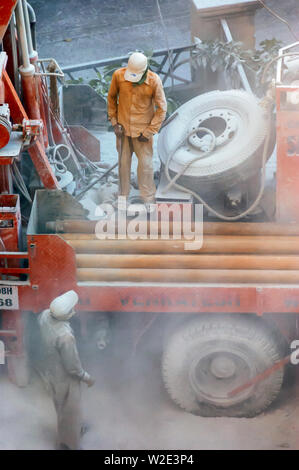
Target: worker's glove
(141, 138)
(90, 382)
(118, 130)
(88, 379)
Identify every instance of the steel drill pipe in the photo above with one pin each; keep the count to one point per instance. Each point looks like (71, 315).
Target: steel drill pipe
(188, 275)
(72, 227)
(257, 262)
(250, 228)
(211, 244)
(92, 236)
(210, 228)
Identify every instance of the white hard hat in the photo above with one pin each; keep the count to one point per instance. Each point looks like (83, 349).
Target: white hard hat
(137, 65)
(62, 307)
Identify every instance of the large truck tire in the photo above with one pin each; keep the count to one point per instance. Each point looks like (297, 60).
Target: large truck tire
(240, 126)
(210, 356)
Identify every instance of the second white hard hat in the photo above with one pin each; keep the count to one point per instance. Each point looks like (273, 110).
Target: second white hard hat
(62, 307)
(137, 65)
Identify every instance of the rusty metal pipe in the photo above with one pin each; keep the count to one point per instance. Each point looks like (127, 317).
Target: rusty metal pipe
(31, 95)
(92, 236)
(257, 262)
(70, 227)
(211, 228)
(211, 244)
(188, 275)
(248, 228)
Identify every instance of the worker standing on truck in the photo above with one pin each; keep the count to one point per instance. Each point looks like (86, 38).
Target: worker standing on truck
(62, 368)
(136, 109)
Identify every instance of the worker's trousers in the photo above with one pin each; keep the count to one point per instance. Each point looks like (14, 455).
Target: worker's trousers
(144, 152)
(67, 401)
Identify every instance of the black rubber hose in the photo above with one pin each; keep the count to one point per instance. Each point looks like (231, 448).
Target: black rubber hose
(32, 18)
(33, 35)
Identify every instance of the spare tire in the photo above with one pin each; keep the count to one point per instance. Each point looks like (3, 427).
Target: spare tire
(240, 128)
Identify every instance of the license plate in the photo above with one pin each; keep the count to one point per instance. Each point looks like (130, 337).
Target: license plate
(9, 298)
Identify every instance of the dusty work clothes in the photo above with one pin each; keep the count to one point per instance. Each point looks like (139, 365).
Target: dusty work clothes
(140, 109)
(144, 153)
(63, 373)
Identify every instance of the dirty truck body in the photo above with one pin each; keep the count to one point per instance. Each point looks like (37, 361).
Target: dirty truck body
(235, 302)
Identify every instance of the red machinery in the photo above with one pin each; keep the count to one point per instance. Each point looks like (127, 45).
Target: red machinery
(125, 276)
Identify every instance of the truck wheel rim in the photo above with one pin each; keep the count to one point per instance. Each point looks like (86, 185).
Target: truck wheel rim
(215, 373)
(223, 122)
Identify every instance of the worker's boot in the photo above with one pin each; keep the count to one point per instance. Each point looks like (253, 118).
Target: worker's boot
(84, 429)
(63, 447)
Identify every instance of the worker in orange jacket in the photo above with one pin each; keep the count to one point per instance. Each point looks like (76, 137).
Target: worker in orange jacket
(136, 109)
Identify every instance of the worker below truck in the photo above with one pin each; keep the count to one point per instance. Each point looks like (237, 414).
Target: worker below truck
(61, 369)
(230, 321)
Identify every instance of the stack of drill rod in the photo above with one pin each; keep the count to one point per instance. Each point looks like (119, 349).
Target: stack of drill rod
(251, 253)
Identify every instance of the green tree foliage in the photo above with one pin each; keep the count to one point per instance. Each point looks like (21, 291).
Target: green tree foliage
(225, 57)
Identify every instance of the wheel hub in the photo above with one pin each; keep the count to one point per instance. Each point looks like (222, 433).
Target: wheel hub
(223, 367)
(214, 372)
(222, 122)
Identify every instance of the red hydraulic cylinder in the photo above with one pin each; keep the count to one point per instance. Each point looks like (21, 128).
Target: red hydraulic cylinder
(30, 92)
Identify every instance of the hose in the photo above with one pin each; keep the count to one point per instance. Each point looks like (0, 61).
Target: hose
(92, 166)
(187, 165)
(32, 18)
(56, 158)
(53, 147)
(172, 181)
(32, 14)
(48, 109)
(79, 195)
(19, 182)
(278, 57)
(273, 13)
